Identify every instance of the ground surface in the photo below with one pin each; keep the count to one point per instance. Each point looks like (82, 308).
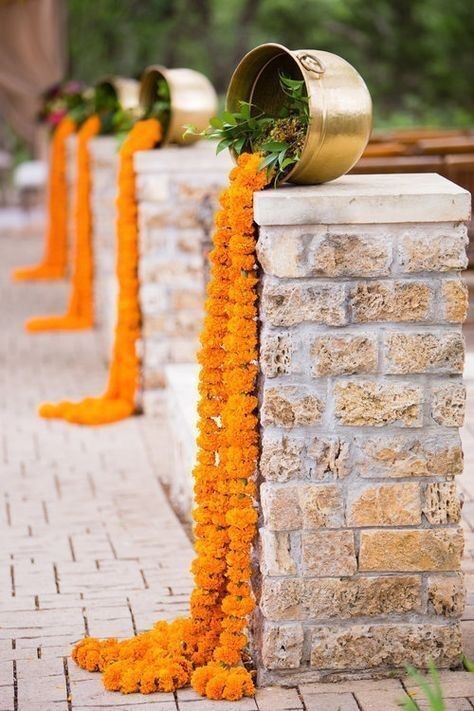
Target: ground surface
(88, 542)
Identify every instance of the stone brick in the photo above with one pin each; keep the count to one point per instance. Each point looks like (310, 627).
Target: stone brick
(328, 553)
(330, 457)
(370, 403)
(424, 352)
(191, 297)
(411, 550)
(321, 506)
(290, 507)
(391, 301)
(282, 646)
(184, 273)
(289, 304)
(154, 188)
(385, 505)
(448, 404)
(153, 377)
(347, 251)
(277, 553)
(444, 252)
(290, 406)
(276, 351)
(406, 455)
(282, 457)
(328, 598)
(189, 241)
(455, 300)
(446, 595)
(324, 251)
(281, 251)
(183, 350)
(281, 507)
(385, 645)
(344, 355)
(442, 503)
(282, 598)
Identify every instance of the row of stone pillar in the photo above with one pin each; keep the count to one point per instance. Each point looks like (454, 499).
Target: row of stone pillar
(357, 565)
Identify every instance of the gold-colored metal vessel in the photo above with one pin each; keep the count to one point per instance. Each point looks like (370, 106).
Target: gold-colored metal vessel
(192, 97)
(340, 106)
(126, 90)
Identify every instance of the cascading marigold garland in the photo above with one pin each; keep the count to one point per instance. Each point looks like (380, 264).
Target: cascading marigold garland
(54, 262)
(207, 648)
(80, 311)
(118, 401)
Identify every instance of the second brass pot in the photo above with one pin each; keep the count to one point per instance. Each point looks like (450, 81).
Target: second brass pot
(125, 89)
(340, 106)
(192, 100)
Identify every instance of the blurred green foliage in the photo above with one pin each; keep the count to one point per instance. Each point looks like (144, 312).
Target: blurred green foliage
(415, 55)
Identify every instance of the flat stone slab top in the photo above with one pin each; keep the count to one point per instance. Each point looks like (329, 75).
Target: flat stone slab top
(365, 199)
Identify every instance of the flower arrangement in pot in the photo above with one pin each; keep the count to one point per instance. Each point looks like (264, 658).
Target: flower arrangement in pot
(177, 97)
(69, 98)
(308, 112)
(115, 101)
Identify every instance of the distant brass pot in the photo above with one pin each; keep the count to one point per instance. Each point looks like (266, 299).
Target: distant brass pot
(125, 89)
(192, 97)
(339, 104)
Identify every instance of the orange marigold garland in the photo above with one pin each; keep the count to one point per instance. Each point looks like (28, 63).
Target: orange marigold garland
(118, 401)
(206, 649)
(54, 263)
(80, 311)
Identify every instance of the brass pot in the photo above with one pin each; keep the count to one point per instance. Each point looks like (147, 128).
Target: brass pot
(125, 89)
(340, 106)
(192, 97)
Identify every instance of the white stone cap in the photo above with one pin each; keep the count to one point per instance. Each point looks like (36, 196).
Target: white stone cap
(182, 380)
(104, 146)
(198, 157)
(365, 199)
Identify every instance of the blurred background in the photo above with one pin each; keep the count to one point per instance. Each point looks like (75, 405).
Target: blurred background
(416, 56)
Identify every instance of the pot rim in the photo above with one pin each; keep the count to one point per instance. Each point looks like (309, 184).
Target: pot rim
(115, 81)
(162, 71)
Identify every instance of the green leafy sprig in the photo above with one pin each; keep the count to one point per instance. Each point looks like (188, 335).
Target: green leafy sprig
(431, 689)
(279, 138)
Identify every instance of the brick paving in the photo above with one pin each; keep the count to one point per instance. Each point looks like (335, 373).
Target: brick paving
(89, 543)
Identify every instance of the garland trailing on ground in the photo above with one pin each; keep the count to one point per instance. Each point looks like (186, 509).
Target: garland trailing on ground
(118, 400)
(80, 311)
(208, 648)
(54, 263)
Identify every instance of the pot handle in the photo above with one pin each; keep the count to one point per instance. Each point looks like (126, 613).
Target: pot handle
(311, 63)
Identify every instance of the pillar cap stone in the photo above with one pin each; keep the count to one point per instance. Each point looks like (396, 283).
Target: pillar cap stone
(365, 199)
(199, 157)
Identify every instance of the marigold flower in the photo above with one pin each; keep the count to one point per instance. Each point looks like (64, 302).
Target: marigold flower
(225, 521)
(54, 263)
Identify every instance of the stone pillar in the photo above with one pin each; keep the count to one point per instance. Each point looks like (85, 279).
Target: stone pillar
(361, 402)
(177, 190)
(104, 168)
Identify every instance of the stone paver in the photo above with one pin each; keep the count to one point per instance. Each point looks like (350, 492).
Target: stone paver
(89, 543)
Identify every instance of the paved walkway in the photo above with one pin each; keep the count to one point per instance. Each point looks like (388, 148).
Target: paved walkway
(88, 542)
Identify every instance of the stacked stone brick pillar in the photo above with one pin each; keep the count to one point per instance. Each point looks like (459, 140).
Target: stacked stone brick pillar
(177, 190)
(361, 402)
(104, 168)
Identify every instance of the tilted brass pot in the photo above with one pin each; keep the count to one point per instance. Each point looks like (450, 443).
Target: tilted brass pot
(192, 98)
(340, 106)
(126, 90)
